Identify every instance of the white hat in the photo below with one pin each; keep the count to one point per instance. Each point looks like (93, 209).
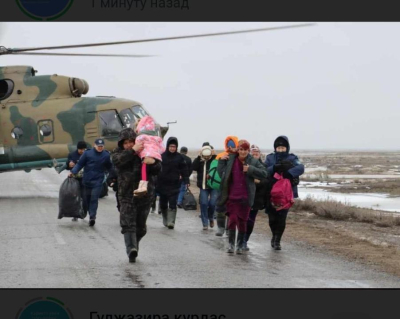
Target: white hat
(206, 151)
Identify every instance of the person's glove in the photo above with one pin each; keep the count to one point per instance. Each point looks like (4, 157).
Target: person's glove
(286, 165)
(287, 175)
(278, 168)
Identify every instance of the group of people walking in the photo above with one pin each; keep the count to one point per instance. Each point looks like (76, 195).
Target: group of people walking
(137, 175)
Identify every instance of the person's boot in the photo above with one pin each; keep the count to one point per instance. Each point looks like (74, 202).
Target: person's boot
(164, 213)
(142, 189)
(273, 240)
(231, 245)
(134, 250)
(171, 218)
(277, 242)
(221, 225)
(129, 244)
(240, 243)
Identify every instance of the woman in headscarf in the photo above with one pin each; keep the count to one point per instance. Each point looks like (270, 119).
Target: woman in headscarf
(238, 171)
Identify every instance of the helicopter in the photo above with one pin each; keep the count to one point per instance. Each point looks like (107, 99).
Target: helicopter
(43, 117)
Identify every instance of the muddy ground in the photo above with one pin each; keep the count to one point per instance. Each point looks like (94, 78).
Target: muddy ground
(375, 246)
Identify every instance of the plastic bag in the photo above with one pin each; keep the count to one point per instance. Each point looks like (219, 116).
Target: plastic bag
(189, 202)
(70, 200)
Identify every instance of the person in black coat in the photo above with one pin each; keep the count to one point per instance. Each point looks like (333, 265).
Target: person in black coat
(188, 162)
(174, 170)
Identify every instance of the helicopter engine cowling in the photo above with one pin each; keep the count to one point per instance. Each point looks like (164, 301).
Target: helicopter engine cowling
(78, 86)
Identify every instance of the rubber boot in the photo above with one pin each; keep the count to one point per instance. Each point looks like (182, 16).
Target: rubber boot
(171, 218)
(131, 246)
(273, 241)
(164, 212)
(134, 250)
(240, 243)
(221, 225)
(277, 242)
(246, 239)
(231, 245)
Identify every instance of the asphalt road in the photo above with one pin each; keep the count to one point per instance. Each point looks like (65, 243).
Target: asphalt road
(40, 251)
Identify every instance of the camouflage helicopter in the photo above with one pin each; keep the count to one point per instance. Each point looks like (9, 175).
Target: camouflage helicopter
(43, 117)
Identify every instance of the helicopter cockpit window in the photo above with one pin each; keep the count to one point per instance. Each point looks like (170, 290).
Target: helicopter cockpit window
(110, 123)
(127, 118)
(6, 88)
(139, 111)
(17, 133)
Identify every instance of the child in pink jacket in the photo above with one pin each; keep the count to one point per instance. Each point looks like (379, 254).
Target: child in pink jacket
(153, 148)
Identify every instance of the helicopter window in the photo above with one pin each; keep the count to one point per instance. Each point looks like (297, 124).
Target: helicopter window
(110, 123)
(127, 117)
(139, 111)
(17, 132)
(6, 88)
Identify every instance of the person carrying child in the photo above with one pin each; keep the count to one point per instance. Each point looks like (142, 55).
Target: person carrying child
(153, 148)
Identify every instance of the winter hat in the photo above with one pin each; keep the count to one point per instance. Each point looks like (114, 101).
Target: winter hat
(206, 151)
(184, 149)
(280, 141)
(146, 124)
(244, 144)
(205, 144)
(254, 147)
(231, 143)
(81, 145)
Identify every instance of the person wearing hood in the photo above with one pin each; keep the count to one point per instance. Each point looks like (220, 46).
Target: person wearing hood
(230, 145)
(238, 172)
(208, 196)
(174, 171)
(133, 210)
(288, 164)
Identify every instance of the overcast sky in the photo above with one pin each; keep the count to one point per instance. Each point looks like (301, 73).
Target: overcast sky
(330, 86)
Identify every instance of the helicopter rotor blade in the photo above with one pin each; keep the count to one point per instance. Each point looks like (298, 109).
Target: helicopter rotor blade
(12, 51)
(84, 54)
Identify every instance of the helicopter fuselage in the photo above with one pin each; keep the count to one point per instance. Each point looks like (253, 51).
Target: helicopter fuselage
(43, 117)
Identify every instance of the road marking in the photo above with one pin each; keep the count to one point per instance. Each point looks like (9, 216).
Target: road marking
(59, 238)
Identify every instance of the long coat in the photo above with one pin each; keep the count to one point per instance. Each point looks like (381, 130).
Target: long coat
(173, 168)
(256, 170)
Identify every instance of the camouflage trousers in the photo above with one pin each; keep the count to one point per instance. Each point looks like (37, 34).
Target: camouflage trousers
(133, 215)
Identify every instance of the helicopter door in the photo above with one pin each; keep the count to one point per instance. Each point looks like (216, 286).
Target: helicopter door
(109, 124)
(46, 131)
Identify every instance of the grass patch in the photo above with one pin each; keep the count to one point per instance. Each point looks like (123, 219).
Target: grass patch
(336, 210)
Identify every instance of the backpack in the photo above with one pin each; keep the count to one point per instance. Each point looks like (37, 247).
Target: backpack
(281, 193)
(214, 181)
(188, 201)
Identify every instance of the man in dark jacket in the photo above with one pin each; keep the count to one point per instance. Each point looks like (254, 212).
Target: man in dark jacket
(72, 159)
(96, 162)
(288, 164)
(134, 210)
(174, 170)
(188, 162)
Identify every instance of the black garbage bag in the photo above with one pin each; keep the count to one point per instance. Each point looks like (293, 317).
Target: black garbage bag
(189, 202)
(104, 190)
(70, 200)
